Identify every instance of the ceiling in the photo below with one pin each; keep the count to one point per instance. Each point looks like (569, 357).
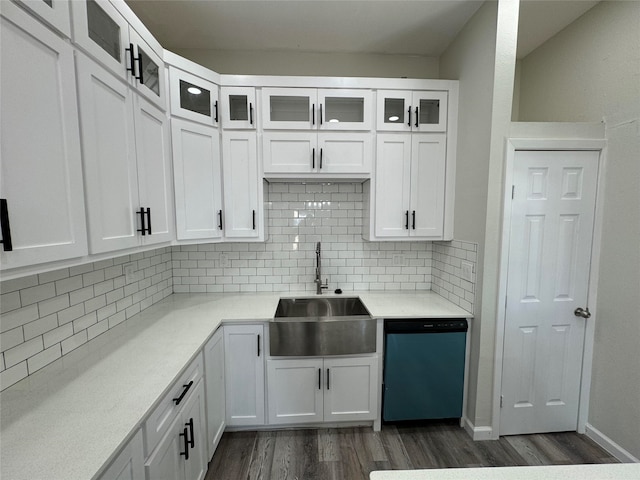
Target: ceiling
(405, 27)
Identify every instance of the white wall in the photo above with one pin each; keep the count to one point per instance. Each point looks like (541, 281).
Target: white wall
(590, 71)
(317, 64)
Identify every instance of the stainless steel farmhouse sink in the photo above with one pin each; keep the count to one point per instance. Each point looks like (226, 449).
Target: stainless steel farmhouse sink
(321, 326)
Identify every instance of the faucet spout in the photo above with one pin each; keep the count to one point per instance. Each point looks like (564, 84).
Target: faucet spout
(318, 281)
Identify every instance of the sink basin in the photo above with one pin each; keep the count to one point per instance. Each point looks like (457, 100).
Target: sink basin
(321, 327)
(320, 308)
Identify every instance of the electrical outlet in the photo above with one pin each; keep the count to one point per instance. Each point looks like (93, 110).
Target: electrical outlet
(466, 271)
(129, 273)
(224, 260)
(398, 260)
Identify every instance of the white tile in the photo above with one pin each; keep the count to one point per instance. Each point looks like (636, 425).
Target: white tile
(19, 317)
(69, 314)
(53, 305)
(23, 351)
(68, 284)
(82, 295)
(11, 338)
(40, 326)
(57, 335)
(92, 278)
(74, 342)
(44, 358)
(95, 330)
(81, 269)
(13, 375)
(16, 284)
(10, 301)
(95, 303)
(84, 322)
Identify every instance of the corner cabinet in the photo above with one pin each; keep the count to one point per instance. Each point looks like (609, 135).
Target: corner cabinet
(126, 159)
(408, 197)
(312, 390)
(244, 374)
(43, 215)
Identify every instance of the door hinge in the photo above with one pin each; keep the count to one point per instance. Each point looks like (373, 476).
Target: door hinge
(501, 401)
(513, 190)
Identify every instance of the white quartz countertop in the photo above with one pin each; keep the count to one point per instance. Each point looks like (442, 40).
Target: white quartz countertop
(68, 420)
(615, 471)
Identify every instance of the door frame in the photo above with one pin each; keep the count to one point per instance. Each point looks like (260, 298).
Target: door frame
(541, 137)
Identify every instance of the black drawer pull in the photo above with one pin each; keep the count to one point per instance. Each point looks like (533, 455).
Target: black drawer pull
(313, 158)
(413, 219)
(320, 114)
(409, 116)
(139, 76)
(258, 344)
(215, 105)
(143, 228)
(313, 114)
(406, 220)
(7, 244)
(321, 159)
(220, 219)
(184, 392)
(417, 118)
(319, 379)
(251, 113)
(132, 61)
(149, 220)
(184, 434)
(192, 441)
(254, 218)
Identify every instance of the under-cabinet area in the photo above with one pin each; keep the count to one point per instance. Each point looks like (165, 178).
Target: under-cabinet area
(196, 365)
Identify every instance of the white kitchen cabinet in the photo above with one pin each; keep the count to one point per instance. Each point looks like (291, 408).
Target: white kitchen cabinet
(325, 153)
(312, 390)
(412, 111)
(53, 12)
(215, 390)
(106, 36)
(316, 109)
(181, 454)
(244, 374)
(40, 159)
(238, 107)
(243, 187)
(129, 464)
(193, 98)
(407, 198)
(197, 176)
(126, 162)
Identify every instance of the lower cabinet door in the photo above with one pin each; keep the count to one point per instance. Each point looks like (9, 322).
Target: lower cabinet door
(166, 462)
(214, 384)
(129, 464)
(350, 389)
(295, 390)
(193, 418)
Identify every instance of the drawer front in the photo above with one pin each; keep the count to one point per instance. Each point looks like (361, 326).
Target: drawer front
(160, 419)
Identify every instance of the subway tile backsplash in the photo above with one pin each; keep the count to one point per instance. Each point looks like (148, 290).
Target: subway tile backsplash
(300, 215)
(44, 317)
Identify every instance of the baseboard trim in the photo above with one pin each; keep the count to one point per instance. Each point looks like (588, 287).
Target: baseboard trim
(609, 445)
(477, 433)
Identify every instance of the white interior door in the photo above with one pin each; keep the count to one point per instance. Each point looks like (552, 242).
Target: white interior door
(548, 276)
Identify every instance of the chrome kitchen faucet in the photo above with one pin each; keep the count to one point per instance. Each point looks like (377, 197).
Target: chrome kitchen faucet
(318, 280)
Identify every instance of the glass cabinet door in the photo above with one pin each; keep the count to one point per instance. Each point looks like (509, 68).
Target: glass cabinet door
(193, 98)
(394, 110)
(54, 12)
(103, 33)
(344, 109)
(238, 107)
(148, 71)
(289, 108)
(429, 111)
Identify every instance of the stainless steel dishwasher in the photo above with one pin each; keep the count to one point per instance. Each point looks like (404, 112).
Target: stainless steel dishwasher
(423, 368)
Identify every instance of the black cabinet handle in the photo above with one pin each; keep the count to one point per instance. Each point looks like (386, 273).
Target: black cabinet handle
(313, 114)
(139, 76)
(184, 392)
(215, 106)
(220, 219)
(321, 158)
(409, 116)
(7, 244)
(413, 220)
(143, 229)
(192, 441)
(313, 158)
(406, 220)
(149, 220)
(132, 61)
(254, 219)
(417, 119)
(185, 454)
(258, 344)
(251, 113)
(328, 380)
(320, 114)
(319, 379)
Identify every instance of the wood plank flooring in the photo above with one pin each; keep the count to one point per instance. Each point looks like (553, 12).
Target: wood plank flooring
(352, 453)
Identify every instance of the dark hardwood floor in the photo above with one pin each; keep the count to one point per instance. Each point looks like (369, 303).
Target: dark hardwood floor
(351, 453)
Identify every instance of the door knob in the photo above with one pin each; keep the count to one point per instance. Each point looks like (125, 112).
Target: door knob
(582, 312)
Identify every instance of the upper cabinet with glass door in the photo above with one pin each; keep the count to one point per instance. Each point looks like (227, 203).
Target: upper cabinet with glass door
(193, 98)
(310, 109)
(53, 12)
(238, 107)
(407, 111)
(105, 35)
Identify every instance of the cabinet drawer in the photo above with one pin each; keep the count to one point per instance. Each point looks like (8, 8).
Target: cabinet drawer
(160, 419)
